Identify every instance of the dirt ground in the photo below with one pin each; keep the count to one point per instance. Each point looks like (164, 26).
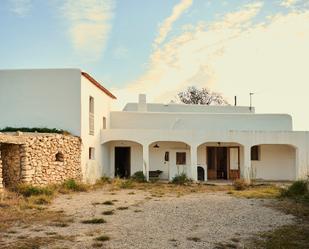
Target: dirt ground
(131, 218)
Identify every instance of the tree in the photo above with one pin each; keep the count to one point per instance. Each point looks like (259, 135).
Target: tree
(202, 96)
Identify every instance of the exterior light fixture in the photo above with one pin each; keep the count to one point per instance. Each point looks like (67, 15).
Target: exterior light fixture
(219, 144)
(156, 146)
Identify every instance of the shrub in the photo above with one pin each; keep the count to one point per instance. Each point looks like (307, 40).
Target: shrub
(72, 185)
(181, 179)
(240, 184)
(28, 190)
(298, 190)
(139, 176)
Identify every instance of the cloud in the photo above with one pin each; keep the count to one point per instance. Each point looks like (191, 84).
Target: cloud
(89, 25)
(288, 3)
(187, 59)
(166, 26)
(20, 7)
(235, 55)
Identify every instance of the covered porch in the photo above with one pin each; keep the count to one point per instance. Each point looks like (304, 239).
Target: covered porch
(204, 156)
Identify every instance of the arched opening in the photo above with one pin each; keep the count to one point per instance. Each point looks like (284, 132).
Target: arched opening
(221, 160)
(59, 157)
(273, 162)
(200, 174)
(122, 158)
(168, 159)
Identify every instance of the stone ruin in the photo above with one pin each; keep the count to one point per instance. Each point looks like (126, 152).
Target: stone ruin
(38, 158)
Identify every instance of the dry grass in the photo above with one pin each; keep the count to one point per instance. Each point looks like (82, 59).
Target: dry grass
(261, 192)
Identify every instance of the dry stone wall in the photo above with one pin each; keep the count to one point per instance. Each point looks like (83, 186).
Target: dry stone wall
(39, 159)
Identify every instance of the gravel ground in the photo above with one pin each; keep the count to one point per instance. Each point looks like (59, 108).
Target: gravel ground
(198, 220)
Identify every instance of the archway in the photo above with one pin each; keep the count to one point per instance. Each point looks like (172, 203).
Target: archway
(171, 158)
(273, 162)
(222, 160)
(122, 158)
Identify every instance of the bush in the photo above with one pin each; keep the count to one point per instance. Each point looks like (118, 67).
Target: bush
(72, 185)
(35, 129)
(28, 190)
(298, 190)
(240, 184)
(181, 179)
(139, 176)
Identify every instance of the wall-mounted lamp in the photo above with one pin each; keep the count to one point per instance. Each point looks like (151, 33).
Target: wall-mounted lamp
(156, 146)
(219, 144)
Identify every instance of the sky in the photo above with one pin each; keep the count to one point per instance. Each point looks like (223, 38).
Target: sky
(160, 47)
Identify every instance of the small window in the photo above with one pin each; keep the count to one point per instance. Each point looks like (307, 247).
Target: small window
(91, 115)
(59, 157)
(255, 153)
(91, 153)
(167, 156)
(104, 123)
(180, 158)
(91, 104)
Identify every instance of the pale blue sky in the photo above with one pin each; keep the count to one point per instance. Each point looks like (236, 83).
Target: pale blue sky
(161, 46)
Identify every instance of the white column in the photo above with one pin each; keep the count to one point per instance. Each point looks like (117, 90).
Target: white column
(247, 164)
(193, 152)
(146, 161)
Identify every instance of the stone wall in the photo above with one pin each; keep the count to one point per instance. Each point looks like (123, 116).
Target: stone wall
(39, 159)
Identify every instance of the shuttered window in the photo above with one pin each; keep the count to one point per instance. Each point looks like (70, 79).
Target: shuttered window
(91, 115)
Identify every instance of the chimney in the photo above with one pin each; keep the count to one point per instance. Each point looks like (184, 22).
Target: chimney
(142, 105)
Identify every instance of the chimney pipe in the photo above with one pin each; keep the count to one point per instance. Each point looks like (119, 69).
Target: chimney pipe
(142, 103)
(235, 100)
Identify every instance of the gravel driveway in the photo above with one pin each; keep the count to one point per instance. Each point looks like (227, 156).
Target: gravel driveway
(199, 220)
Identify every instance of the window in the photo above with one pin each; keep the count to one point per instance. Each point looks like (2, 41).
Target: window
(104, 123)
(91, 153)
(255, 153)
(59, 157)
(180, 158)
(91, 115)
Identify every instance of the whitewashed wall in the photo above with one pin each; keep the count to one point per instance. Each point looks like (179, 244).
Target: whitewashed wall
(277, 162)
(200, 121)
(93, 169)
(41, 98)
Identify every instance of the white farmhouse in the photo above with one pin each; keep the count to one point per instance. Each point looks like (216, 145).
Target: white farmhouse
(205, 142)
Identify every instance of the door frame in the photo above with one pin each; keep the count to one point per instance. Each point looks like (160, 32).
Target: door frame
(129, 160)
(227, 160)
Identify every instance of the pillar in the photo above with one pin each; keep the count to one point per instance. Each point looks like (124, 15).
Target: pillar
(193, 152)
(247, 164)
(146, 161)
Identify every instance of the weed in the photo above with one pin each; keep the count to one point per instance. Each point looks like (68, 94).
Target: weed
(108, 203)
(298, 190)
(181, 179)
(72, 185)
(240, 184)
(122, 208)
(27, 190)
(102, 238)
(195, 239)
(139, 176)
(108, 212)
(94, 221)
